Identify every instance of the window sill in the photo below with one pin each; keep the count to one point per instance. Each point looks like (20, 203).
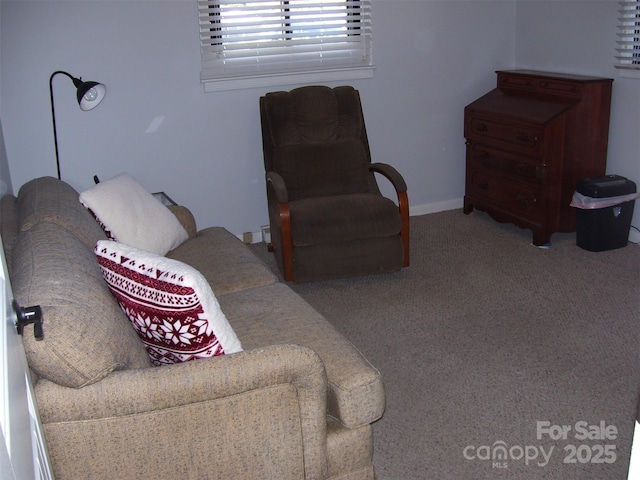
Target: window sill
(274, 80)
(628, 72)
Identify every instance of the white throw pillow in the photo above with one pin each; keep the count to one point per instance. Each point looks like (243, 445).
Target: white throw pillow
(131, 215)
(169, 303)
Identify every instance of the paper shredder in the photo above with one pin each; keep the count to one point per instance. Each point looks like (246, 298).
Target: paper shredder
(604, 220)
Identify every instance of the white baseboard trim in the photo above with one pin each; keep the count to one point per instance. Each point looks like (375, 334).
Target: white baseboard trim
(454, 204)
(250, 237)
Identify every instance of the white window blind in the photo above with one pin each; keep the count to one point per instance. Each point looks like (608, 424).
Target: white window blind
(260, 42)
(629, 35)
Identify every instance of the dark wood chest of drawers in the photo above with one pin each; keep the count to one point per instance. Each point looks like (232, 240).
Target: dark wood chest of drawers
(529, 141)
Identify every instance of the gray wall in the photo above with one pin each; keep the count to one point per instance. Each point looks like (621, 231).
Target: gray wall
(207, 153)
(432, 58)
(5, 177)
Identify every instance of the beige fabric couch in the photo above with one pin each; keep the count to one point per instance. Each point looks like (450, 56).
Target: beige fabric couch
(298, 402)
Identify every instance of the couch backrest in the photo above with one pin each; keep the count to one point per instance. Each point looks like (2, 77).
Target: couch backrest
(86, 334)
(52, 200)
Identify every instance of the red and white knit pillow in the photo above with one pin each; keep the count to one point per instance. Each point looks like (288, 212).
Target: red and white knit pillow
(169, 303)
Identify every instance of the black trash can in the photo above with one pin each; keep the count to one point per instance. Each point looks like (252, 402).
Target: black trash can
(604, 212)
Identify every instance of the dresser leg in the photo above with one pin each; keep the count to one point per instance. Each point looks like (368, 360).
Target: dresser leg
(541, 238)
(467, 207)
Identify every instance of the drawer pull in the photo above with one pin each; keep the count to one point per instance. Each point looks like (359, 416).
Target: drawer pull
(524, 200)
(481, 127)
(527, 170)
(558, 86)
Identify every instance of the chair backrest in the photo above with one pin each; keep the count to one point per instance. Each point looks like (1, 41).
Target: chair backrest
(315, 138)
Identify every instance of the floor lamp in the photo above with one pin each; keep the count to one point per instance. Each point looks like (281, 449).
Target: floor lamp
(89, 94)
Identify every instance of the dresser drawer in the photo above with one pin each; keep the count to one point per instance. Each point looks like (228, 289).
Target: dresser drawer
(516, 82)
(531, 169)
(522, 137)
(513, 197)
(559, 87)
(565, 86)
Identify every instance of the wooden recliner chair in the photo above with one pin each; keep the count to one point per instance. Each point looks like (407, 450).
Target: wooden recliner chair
(327, 216)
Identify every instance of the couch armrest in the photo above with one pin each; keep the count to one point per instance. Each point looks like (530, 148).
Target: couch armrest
(255, 414)
(186, 219)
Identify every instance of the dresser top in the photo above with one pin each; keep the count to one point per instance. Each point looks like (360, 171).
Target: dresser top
(564, 76)
(527, 108)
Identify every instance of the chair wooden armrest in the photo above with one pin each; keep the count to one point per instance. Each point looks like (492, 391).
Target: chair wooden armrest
(391, 174)
(277, 189)
(275, 181)
(403, 202)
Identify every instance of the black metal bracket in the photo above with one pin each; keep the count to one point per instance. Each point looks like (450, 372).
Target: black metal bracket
(27, 316)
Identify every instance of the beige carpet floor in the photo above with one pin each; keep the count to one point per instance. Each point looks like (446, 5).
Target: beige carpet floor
(482, 339)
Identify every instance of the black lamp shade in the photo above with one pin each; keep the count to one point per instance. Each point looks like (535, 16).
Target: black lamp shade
(90, 94)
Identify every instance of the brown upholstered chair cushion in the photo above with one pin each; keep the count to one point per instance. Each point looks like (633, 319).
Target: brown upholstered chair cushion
(317, 170)
(314, 115)
(343, 218)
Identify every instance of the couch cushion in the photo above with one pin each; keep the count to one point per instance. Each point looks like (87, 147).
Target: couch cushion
(274, 314)
(131, 215)
(169, 303)
(52, 200)
(86, 334)
(227, 264)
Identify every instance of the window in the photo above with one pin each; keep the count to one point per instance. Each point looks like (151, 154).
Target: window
(260, 42)
(629, 33)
